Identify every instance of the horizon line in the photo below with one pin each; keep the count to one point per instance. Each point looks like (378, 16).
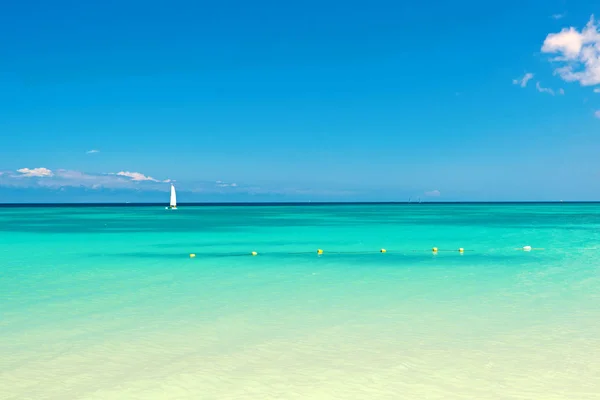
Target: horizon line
(275, 203)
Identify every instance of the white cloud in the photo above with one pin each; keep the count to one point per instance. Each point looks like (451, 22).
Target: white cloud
(35, 172)
(223, 184)
(558, 16)
(523, 81)
(567, 41)
(92, 151)
(561, 91)
(597, 90)
(597, 114)
(578, 53)
(543, 89)
(136, 176)
(433, 193)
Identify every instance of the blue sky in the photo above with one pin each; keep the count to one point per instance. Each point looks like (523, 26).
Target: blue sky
(327, 100)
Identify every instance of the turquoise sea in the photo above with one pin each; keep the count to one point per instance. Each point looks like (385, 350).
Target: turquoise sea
(105, 302)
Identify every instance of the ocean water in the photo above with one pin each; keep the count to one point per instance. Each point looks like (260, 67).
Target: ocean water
(105, 302)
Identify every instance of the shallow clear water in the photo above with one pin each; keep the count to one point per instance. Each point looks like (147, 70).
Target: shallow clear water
(105, 303)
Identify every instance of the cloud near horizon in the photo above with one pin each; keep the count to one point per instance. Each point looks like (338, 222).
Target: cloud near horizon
(60, 179)
(225, 185)
(34, 172)
(92, 151)
(577, 53)
(44, 177)
(433, 193)
(136, 176)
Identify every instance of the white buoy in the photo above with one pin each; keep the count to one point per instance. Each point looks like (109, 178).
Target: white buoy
(526, 248)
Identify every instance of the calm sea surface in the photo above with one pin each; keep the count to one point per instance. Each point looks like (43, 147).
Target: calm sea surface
(105, 302)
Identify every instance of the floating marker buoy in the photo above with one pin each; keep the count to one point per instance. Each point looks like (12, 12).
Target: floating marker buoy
(254, 253)
(435, 249)
(461, 250)
(192, 255)
(526, 248)
(319, 251)
(382, 250)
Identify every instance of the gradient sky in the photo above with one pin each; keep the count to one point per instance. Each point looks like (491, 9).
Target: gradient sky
(311, 100)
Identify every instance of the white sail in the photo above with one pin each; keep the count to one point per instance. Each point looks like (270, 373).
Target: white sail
(173, 202)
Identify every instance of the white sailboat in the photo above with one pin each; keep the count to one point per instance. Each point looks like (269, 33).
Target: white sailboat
(173, 202)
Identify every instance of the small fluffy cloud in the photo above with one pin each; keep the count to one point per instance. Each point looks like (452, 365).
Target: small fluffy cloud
(561, 91)
(523, 81)
(92, 151)
(136, 176)
(597, 90)
(543, 89)
(558, 16)
(578, 53)
(35, 172)
(597, 114)
(433, 193)
(224, 184)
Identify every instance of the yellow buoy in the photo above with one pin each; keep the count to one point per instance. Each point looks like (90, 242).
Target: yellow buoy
(192, 255)
(435, 249)
(319, 251)
(383, 250)
(461, 250)
(254, 253)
